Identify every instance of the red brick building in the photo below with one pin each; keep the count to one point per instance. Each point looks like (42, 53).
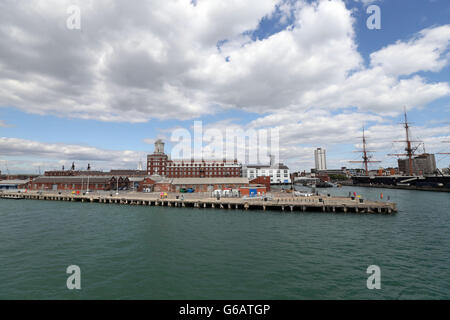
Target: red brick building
(70, 173)
(253, 190)
(160, 164)
(146, 184)
(200, 184)
(163, 186)
(114, 172)
(127, 172)
(70, 183)
(262, 180)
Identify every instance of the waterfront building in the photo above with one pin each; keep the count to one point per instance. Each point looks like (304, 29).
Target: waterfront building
(278, 173)
(421, 164)
(18, 176)
(68, 173)
(200, 184)
(320, 159)
(73, 183)
(263, 180)
(160, 164)
(127, 172)
(253, 191)
(209, 184)
(14, 184)
(112, 172)
(157, 162)
(146, 185)
(136, 183)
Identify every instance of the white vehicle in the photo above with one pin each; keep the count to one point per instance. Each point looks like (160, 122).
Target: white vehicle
(217, 192)
(303, 194)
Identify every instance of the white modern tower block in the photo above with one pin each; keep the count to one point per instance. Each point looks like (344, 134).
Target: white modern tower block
(320, 158)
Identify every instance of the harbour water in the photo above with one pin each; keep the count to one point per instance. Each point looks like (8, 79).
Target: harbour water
(137, 252)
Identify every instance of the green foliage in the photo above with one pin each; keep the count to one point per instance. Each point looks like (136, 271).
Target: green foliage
(338, 177)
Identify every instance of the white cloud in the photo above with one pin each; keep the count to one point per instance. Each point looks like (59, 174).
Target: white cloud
(427, 51)
(367, 2)
(138, 61)
(142, 60)
(57, 154)
(301, 133)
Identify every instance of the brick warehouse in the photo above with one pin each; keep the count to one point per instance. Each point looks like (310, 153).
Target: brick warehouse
(262, 180)
(160, 164)
(255, 190)
(200, 184)
(69, 183)
(112, 172)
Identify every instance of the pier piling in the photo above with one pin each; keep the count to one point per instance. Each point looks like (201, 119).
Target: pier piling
(316, 203)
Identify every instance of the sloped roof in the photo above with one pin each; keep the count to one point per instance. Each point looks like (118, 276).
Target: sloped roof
(136, 179)
(72, 179)
(227, 180)
(14, 182)
(266, 166)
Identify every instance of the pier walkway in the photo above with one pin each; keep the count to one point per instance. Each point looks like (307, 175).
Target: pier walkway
(318, 203)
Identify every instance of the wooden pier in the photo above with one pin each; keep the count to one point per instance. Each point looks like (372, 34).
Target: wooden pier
(283, 204)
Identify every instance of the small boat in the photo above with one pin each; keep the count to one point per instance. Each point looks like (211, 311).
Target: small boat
(324, 185)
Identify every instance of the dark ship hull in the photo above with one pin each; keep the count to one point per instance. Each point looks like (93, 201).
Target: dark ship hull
(426, 182)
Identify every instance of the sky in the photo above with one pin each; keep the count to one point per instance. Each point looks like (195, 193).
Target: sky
(136, 71)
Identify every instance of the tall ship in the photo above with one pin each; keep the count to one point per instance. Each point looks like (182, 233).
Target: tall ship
(415, 170)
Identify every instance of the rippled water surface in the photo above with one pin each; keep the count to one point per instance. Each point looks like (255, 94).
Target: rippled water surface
(130, 252)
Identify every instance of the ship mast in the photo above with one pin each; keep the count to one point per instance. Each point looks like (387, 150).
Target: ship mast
(409, 148)
(366, 158)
